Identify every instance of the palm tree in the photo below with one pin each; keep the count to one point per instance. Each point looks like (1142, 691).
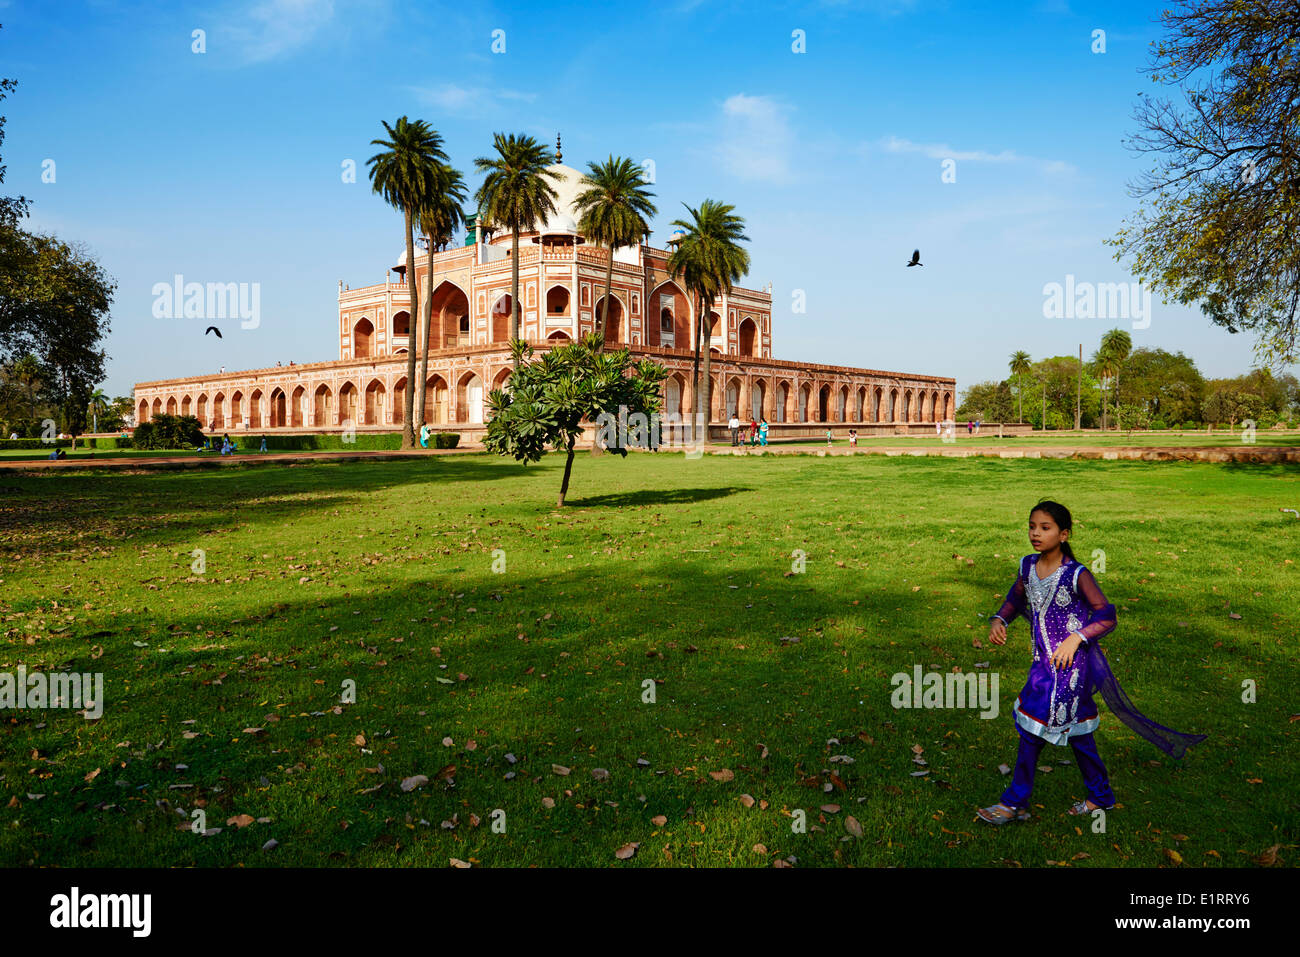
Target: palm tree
(708, 258)
(1116, 345)
(1019, 365)
(403, 175)
(98, 403)
(439, 216)
(613, 207)
(515, 195)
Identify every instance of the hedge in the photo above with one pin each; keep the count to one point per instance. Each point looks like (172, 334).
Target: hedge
(365, 441)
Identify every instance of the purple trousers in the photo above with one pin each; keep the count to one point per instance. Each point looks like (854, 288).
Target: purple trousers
(1091, 767)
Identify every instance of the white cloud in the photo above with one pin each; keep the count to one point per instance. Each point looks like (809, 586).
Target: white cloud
(453, 98)
(942, 151)
(268, 29)
(754, 139)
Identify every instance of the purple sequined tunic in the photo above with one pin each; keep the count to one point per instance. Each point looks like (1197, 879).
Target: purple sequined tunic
(1057, 704)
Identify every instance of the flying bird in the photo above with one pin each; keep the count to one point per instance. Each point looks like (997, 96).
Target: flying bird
(213, 329)
(916, 259)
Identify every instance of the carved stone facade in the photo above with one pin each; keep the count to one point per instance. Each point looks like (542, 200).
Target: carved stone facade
(561, 285)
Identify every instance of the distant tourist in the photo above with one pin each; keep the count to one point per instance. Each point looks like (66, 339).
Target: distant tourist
(853, 438)
(223, 370)
(424, 436)
(970, 426)
(937, 429)
(263, 448)
(734, 425)
(13, 436)
(762, 433)
(277, 363)
(828, 436)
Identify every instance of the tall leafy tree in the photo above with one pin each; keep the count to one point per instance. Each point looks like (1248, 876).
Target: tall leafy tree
(98, 404)
(1220, 228)
(549, 398)
(440, 215)
(1020, 364)
(516, 195)
(403, 175)
(12, 208)
(1116, 344)
(613, 207)
(708, 259)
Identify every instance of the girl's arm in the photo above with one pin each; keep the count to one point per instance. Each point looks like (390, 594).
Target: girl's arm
(1014, 603)
(1101, 620)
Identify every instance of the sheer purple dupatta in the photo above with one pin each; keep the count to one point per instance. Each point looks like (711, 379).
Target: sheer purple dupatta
(1171, 742)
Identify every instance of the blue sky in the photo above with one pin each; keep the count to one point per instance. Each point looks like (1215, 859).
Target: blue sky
(225, 166)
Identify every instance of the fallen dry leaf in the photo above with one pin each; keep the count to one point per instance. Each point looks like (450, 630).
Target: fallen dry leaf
(240, 820)
(658, 820)
(724, 775)
(414, 781)
(852, 826)
(627, 850)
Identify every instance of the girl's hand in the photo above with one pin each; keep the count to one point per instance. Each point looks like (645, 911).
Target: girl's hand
(1063, 656)
(998, 631)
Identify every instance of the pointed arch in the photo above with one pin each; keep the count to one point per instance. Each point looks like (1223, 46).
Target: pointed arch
(349, 400)
(255, 409)
(436, 405)
(747, 337)
(500, 324)
(322, 403)
(376, 395)
(277, 408)
(614, 331)
(469, 399)
(363, 338)
(237, 410)
(668, 317)
(449, 326)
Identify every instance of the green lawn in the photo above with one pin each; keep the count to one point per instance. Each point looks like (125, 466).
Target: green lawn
(660, 568)
(1055, 439)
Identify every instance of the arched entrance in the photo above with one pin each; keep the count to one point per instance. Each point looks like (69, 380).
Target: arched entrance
(823, 403)
(500, 323)
(435, 400)
(255, 409)
(748, 336)
(321, 405)
(375, 396)
(347, 405)
(613, 319)
(363, 335)
(450, 315)
(277, 409)
(298, 407)
(469, 399)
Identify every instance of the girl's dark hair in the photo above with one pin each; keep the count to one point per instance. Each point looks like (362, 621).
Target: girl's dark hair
(1061, 516)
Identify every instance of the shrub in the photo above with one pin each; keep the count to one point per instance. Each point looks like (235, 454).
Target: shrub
(446, 440)
(169, 432)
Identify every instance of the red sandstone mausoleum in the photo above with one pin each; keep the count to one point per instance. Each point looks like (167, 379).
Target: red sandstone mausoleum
(561, 282)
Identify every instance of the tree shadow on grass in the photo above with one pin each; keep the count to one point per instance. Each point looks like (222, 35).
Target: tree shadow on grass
(667, 496)
(733, 695)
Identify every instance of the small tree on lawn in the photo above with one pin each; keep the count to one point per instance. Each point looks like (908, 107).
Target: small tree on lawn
(550, 396)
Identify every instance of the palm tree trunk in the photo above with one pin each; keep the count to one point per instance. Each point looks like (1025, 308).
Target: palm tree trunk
(604, 306)
(514, 288)
(568, 469)
(707, 383)
(695, 363)
(428, 323)
(1020, 399)
(408, 427)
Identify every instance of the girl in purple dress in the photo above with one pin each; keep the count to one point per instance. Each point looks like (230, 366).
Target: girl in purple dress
(1068, 615)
